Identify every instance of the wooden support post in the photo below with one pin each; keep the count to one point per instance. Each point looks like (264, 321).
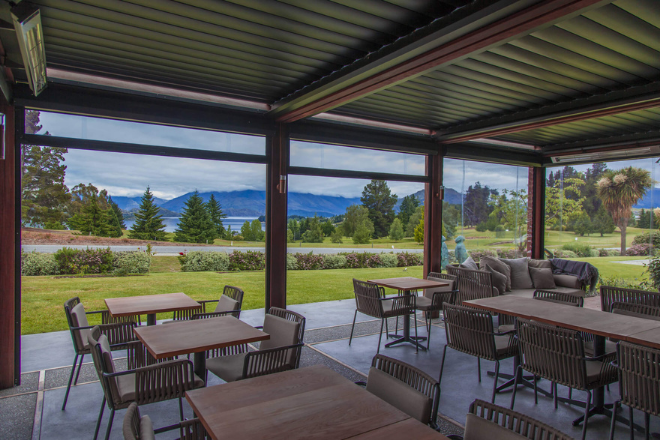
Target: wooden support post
(536, 213)
(10, 243)
(433, 215)
(276, 210)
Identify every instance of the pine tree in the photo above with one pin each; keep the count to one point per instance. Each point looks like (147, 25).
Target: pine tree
(215, 211)
(378, 199)
(148, 222)
(118, 213)
(115, 229)
(603, 223)
(396, 230)
(195, 224)
(314, 234)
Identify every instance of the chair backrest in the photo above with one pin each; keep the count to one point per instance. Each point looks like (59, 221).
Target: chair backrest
(439, 300)
(284, 327)
(405, 387)
(132, 423)
(559, 297)
(142, 428)
(636, 310)
(104, 363)
(76, 317)
(235, 293)
(513, 422)
(554, 353)
(639, 377)
(367, 298)
(609, 295)
(470, 330)
(473, 284)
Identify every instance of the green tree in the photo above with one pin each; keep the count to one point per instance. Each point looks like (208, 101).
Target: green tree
(118, 213)
(246, 231)
(603, 223)
(476, 206)
(379, 200)
(328, 228)
(91, 212)
(583, 225)
(363, 231)
(336, 236)
(408, 206)
(256, 231)
(355, 214)
(289, 236)
(294, 227)
(148, 220)
(563, 203)
(195, 224)
(620, 190)
(414, 221)
(315, 233)
(396, 230)
(510, 209)
(216, 214)
(44, 196)
(419, 230)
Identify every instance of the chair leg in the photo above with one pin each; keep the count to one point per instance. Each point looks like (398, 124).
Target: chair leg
(352, 328)
(380, 335)
(181, 409)
(428, 331)
(587, 407)
(647, 420)
(497, 375)
(109, 429)
(82, 356)
(442, 364)
(387, 330)
(554, 390)
(98, 422)
(613, 423)
(570, 393)
(536, 391)
(515, 385)
(68, 388)
(630, 417)
(479, 368)
(416, 337)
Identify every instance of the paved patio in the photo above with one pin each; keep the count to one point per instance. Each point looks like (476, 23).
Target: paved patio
(33, 410)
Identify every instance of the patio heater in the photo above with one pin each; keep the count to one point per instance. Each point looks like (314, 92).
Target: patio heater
(29, 32)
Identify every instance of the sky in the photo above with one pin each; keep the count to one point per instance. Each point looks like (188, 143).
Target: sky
(128, 175)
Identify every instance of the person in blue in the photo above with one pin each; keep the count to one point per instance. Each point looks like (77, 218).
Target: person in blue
(460, 252)
(444, 253)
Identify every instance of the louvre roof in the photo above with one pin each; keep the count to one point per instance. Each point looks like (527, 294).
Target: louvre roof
(555, 74)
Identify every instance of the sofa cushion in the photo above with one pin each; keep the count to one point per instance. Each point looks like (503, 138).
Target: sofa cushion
(429, 292)
(564, 280)
(469, 264)
(478, 428)
(542, 278)
(399, 394)
(501, 268)
(520, 278)
(499, 279)
(228, 368)
(544, 264)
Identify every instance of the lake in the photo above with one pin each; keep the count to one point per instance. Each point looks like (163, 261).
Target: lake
(172, 222)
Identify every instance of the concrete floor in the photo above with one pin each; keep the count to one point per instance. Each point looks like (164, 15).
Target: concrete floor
(33, 411)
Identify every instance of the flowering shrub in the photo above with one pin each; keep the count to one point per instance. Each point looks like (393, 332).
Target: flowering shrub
(248, 260)
(335, 261)
(645, 238)
(291, 262)
(476, 255)
(310, 261)
(84, 261)
(406, 259)
(509, 253)
(67, 261)
(640, 250)
(36, 263)
(199, 261)
(131, 262)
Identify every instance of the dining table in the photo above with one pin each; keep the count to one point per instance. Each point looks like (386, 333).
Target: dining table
(150, 305)
(306, 403)
(197, 337)
(598, 323)
(408, 285)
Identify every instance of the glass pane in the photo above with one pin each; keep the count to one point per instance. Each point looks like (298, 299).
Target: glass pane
(113, 130)
(307, 154)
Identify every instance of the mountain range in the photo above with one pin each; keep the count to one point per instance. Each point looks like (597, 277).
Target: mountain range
(252, 203)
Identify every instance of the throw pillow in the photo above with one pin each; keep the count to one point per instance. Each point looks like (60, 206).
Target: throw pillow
(469, 264)
(499, 279)
(540, 264)
(542, 278)
(520, 278)
(501, 268)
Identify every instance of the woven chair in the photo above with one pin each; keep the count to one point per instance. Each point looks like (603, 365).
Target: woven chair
(488, 421)
(371, 301)
(145, 381)
(118, 331)
(609, 295)
(470, 331)
(473, 284)
(439, 296)
(141, 428)
(557, 354)
(405, 387)
(230, 301)
(639, 383)
(636, 310)
(279, 353)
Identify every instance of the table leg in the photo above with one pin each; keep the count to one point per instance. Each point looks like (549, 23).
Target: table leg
(199, 365)
(522, 380)
(406, 333)
(151, 319)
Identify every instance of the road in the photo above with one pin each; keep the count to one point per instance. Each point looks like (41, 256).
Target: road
(174, 250)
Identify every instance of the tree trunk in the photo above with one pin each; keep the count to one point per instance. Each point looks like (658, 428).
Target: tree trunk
(623, 239)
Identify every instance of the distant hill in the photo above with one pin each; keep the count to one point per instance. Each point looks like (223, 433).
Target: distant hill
(130, 215)
(127, 204)
(452, 197)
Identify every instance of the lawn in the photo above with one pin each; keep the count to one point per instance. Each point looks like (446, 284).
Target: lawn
(43, 297)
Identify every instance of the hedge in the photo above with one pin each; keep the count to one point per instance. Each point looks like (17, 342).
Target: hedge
(67, 261)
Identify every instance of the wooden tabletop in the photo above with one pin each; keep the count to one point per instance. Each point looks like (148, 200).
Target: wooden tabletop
(409, 283)
(148, 304)
(197, 335)
(597, 322)
(313, 402)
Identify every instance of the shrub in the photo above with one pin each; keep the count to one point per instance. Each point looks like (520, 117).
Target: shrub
(199, 261)
(625, 283)
(613, 253)
(561, 253)
(603, 252)
(508, 253)
(291, 262)
(248, 260)
(335, 261)
(640, 250)
(644, 238)
(389, 260)
(131, 262)
(406, 259)
(36, 263)
(309, 261)
(84, 261)
(476, 255)
(653, 269)
(581, 250)
(337, 236)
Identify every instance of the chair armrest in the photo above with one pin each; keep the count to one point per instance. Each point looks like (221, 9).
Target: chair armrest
(233, 313)
(119, 373)
(163, 381)
(505, 333)
(93, 312)
(206, 301)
